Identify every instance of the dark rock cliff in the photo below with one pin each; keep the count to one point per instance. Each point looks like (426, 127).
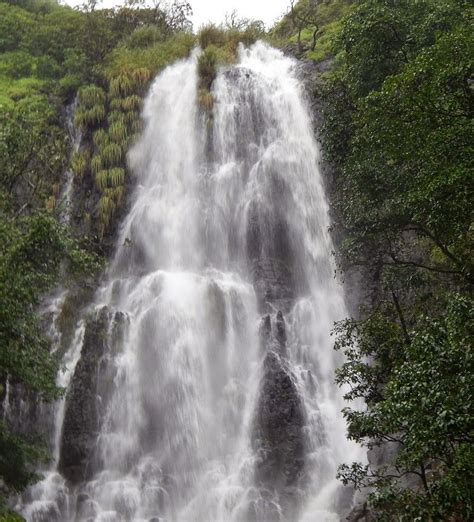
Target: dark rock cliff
(81, 417)
(278, 434)
(89, 389)
(278, 437)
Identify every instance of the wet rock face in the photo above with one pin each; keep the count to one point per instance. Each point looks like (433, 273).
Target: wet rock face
(360, 513)
(272, 283)
(271, 264)
(265, 333)
(248, 113)
(278, 438)
(85, 507)
(273, 337)
(82, 415)
(48, 512)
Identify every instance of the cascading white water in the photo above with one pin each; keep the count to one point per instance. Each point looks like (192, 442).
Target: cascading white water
(75, 136)
(219, 304)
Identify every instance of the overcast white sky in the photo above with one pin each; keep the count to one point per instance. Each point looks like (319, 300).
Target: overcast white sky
(215, 10)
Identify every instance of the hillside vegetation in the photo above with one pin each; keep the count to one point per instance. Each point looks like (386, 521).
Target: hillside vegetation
(397, 130)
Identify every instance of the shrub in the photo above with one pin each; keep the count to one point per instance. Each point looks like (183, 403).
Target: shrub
(118, 194)
(86, 119)
(115, 104)
(116, 177)
(47, 67)
(211, 34)
(205, 99)
(116, 116)
(112, 154)
(17, 64)
(101, 179)
(141, 64)
(136, 126)
(91, 96)
(97, 164)
(80, 162)
(207, 67)
(100, 138)
(131, 103)
(69, 84)
(117, 132)
(130, 117)
(105, 210)
(141, 76)
(145, 36)
(121, 86)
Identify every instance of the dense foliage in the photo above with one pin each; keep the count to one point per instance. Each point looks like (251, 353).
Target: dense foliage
(52, 52)
(35, 250)
(398, 128)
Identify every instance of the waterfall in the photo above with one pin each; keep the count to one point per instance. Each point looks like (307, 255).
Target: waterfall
(75, 137)
(204, 390)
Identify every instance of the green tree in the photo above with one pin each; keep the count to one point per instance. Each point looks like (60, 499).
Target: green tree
(35, 251)
(398, 128)
(409, 169)
(32, 147)
(381, 36)
(15, 25)
(425, 409)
